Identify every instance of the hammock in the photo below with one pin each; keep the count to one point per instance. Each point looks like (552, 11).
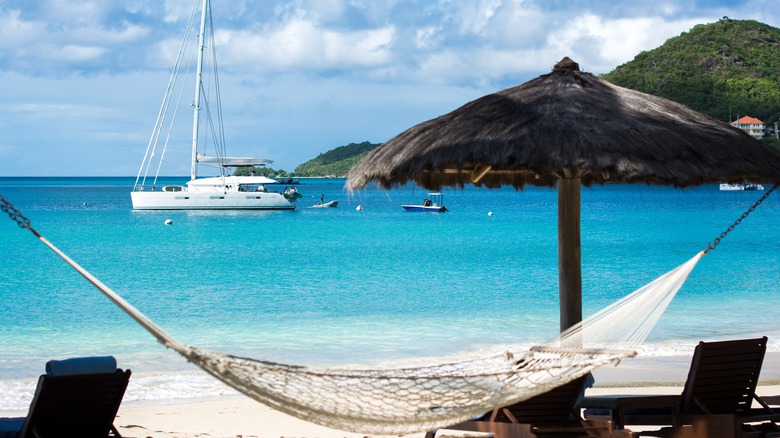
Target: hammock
(426, 397)
(388, 401)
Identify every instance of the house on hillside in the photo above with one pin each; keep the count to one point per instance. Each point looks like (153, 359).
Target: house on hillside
(751, 125)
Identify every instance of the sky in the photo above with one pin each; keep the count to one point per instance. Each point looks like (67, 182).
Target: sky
(81, 81)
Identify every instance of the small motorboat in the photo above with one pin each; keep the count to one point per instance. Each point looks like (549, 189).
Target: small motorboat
(434, 203)
(329, 204)
(291, 193)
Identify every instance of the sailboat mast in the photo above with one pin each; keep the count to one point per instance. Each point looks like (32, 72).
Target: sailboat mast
(198, 88)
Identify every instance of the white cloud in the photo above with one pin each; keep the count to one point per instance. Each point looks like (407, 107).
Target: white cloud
(74, 53)
(472, 17)
(324, 10)
(16, 32)
(128, 33)
(68, 40)
(177, 10)
(442, 67)
(376, 11)
(485, 66)
(302, 44)
(80, 12)
(601, 44)
(519, 24)
(427, 38)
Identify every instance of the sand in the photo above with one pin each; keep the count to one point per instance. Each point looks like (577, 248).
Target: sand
(234, 416)
(239, 416)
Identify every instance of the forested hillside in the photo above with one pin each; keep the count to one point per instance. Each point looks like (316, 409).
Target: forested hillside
(335, 162)
(725, 69)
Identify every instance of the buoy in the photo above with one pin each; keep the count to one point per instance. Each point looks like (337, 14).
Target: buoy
(168, 221)
(490, 213)
(359, 207)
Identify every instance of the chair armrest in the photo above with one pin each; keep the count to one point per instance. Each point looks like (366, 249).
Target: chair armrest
(767, 402)
(772, 400)
(619, 404)
(628, 401)
(758, 415)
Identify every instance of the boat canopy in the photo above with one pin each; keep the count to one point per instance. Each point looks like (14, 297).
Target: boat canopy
(230, 180)
(232, 161)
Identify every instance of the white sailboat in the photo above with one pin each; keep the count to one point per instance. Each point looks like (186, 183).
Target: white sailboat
(221, 192)
(745, 186)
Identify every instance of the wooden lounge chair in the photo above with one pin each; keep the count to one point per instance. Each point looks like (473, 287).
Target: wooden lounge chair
(78, 405)
(718, 395)
(552, 414)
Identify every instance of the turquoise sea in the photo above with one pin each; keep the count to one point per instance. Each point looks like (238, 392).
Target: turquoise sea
(370, 286)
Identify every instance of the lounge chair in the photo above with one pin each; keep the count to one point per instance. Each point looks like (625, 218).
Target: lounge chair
(718, 395)
(552, 414)
(76, 397)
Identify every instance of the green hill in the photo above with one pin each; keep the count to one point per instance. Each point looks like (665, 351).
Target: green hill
(725, 69)
(336, 162)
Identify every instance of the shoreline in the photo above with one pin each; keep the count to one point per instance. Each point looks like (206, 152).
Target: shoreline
(239, 416)
(235, 415)
(231, 416)
(191, 385)
(648, 371)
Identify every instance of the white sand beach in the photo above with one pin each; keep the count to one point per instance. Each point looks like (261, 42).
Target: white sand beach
(239, 416)
(235, 415)
(242, 417)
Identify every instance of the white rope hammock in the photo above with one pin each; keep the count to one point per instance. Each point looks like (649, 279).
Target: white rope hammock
(421, 398)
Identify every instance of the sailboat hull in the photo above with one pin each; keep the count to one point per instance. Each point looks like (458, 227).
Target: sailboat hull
(209, 201)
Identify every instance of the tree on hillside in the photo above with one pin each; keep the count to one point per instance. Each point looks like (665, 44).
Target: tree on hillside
(720, 69)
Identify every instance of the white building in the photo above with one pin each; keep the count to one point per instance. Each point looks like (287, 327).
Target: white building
(751, 125)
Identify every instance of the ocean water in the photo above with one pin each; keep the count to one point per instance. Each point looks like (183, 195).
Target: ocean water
(329, 287)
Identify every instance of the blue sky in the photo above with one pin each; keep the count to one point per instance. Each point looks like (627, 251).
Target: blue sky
(81, 80)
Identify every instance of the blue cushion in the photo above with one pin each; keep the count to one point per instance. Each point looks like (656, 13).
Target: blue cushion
(589, 381)
(81, 365)
(11, 425)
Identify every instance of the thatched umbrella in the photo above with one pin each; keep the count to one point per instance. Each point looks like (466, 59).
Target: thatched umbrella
(569, 128)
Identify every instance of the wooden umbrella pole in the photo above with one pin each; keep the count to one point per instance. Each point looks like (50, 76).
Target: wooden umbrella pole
(569, 249)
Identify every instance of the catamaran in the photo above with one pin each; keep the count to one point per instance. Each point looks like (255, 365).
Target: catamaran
(221, 192)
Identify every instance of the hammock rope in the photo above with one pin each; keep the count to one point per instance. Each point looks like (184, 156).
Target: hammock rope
(716, 241)
(430, 396)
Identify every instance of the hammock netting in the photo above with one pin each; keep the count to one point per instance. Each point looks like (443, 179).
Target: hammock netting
(425, 397)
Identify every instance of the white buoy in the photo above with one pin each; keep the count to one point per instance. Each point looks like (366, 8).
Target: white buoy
(490, 213)
(168, 221)
(359, 207)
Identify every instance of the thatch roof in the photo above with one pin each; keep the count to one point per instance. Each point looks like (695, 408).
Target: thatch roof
(569, 123)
